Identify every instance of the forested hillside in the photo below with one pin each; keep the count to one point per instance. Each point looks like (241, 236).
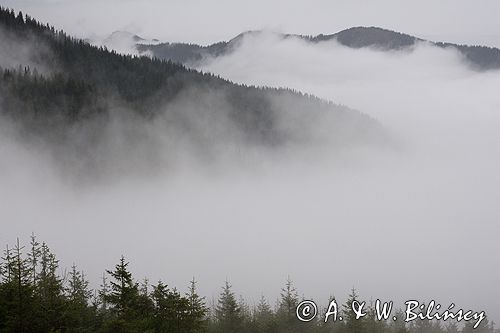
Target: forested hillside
(63, 82)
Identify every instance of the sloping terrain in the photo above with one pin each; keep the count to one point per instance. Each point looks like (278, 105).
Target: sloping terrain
(68, 93)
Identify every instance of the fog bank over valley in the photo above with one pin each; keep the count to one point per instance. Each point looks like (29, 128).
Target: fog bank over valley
(391, 188)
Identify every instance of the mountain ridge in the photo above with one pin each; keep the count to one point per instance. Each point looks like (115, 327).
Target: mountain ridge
(480, 58)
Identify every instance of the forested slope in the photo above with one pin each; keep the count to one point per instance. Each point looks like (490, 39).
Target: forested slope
(61, 83)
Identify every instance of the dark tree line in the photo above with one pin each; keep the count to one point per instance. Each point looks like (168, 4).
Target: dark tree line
(36, 295)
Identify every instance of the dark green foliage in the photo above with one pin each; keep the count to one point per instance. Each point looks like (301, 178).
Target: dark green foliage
(16, 290)
(196, 310)
(228, 313)
(49, 291)
(35, 298)
(78, 312)
(171, 310)
(124, 291)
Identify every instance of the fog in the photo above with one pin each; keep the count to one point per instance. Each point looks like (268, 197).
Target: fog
(422, 222)
(414, 220)
(19, 54)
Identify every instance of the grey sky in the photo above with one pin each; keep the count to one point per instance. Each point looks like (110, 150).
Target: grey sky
(204, 21)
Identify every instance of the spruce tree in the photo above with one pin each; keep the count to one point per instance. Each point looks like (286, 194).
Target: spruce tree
(19, 291)
(352, 324)
(264, 317)
(49, 291)
(34, 258)
(78, 295)
(197, 310)
(288, 306)
(124, 291)
(162, 310)
(227, 312)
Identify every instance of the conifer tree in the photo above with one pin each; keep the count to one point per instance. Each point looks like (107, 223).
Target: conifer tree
(103, 293)
(124, 291)
(352, 324)
(288, 305)
(34, 257)
(49, 291)
(197, 310)
(179, 307)
(6, 266)
(145, 306)
(7, 315)
(162, 316)
(78, 296)
(264, 317)
(19, 289)
(227, 312)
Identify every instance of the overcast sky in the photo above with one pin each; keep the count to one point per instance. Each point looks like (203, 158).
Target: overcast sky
(203, 21)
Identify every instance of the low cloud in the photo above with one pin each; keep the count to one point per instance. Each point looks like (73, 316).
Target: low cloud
(399, 212)
(418, 221)
(17, 53)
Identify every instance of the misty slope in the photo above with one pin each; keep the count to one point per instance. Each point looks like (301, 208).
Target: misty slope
(479, 57)
(71, 93)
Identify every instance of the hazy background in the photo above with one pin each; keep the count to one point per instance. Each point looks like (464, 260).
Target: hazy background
(203, 21)
(420, 221)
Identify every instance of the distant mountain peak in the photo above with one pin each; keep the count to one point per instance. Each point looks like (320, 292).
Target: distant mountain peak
(120, 34)
(124, 42)
(253, 33)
